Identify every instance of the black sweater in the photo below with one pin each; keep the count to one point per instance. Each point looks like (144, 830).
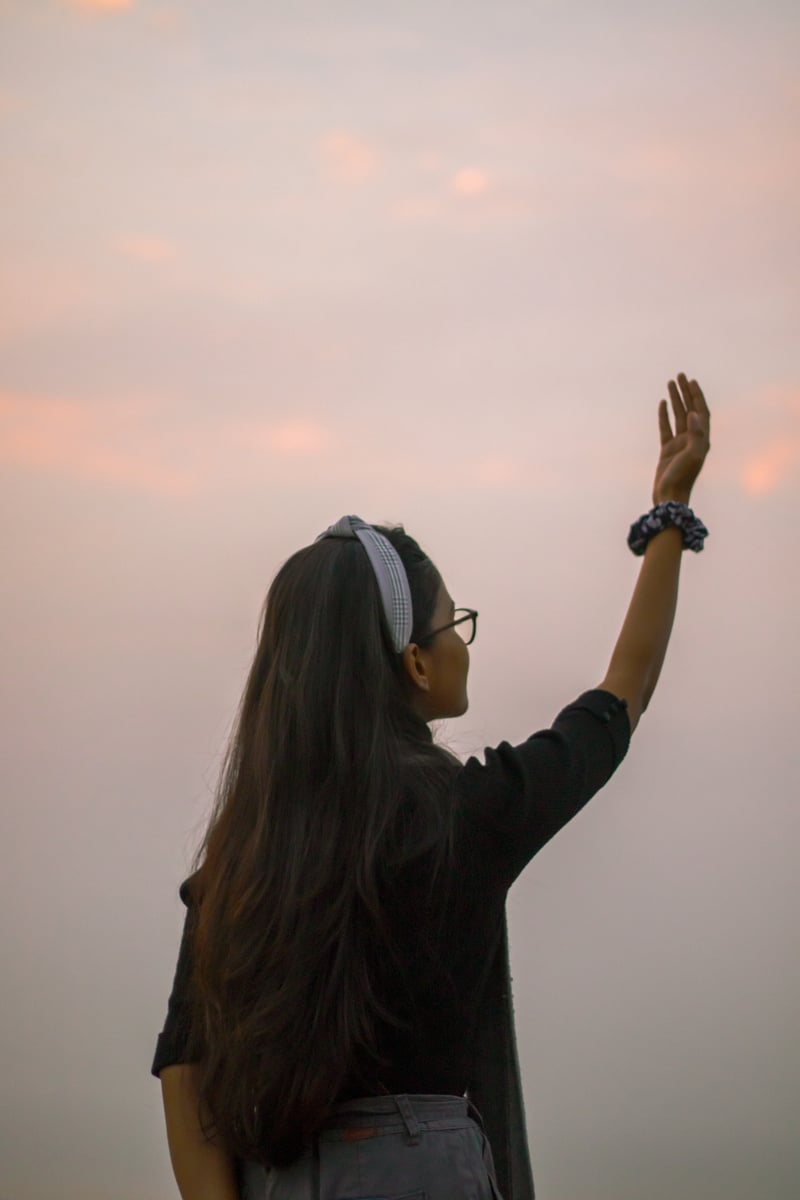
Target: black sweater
(506, 811)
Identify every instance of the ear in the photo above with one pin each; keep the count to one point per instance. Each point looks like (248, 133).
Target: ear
(414, 663)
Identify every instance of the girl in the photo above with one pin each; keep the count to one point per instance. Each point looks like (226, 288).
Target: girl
(328, 1023)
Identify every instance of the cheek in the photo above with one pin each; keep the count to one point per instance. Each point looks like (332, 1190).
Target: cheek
(456, 668)
(460, 682)
(461, 663)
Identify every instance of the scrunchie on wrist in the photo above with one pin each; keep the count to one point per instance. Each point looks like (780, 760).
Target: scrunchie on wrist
(671, 512)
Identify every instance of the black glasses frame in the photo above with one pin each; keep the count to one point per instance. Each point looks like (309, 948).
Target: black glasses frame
(469, 614)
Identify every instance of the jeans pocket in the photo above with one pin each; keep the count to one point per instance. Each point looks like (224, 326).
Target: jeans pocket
(488, 1162)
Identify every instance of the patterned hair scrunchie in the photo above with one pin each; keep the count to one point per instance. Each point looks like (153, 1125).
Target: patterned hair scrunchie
(660, 518)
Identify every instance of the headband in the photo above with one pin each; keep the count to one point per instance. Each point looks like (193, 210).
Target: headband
(389, 572)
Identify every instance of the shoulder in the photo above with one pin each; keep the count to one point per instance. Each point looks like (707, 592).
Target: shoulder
(521, 795)
(594, 726)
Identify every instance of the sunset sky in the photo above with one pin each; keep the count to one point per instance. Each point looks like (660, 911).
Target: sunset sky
(433, 263)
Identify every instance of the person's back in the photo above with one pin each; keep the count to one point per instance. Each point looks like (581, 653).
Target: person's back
(329, 1020)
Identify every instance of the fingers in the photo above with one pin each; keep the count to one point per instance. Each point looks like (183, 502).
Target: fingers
(693, 396)
(689, 399)
(687, 394)
(677, 406)
(700, 405)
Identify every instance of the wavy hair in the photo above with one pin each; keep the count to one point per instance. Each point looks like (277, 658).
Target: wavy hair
(330, 787)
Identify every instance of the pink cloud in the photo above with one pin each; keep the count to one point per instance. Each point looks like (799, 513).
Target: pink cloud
(635, 158)
(496, 471)
(144, 248)
(134, 443)
(67, 437)
(436, 202)
(288, 439)
(36, 296)
(755, 440)
(743, 160)
(138, 445)
(348, 157)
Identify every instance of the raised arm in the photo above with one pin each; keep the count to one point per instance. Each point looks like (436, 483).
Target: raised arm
(642, 644)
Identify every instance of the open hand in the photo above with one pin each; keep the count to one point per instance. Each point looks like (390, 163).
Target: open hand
(684, 452)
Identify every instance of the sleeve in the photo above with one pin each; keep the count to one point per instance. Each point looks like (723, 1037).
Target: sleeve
(524, 794)
(173, 1041)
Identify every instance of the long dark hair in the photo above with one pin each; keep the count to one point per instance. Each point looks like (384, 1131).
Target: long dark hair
(330, 787)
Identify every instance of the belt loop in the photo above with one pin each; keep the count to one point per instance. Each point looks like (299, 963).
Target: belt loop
(413, 1129)
(476, 1116)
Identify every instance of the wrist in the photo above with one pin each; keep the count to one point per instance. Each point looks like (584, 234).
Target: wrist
(674, 494)
(675, 512)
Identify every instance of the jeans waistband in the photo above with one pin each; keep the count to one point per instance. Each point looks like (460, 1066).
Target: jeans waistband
(379, 1112)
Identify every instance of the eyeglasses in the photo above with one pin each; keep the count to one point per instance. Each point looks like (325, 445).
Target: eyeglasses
(464, 630)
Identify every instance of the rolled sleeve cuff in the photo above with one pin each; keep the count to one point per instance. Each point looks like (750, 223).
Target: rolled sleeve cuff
(612, 712)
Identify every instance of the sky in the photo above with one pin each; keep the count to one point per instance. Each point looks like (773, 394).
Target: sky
(262, 265)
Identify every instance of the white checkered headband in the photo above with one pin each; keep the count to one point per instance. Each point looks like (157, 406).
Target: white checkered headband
(389, 572)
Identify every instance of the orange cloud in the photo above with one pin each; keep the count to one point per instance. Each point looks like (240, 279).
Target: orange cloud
(289, 439)
(774, 463)
(772, 466)
(135, 443)
(147, 249)
(100, 5)
(471, 181)
(167, 20)
(436, 203)
(349, 158)
(68, 437)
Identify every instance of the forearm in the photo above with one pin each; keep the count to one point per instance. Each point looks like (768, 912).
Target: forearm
(203, 1170)
(642, 644)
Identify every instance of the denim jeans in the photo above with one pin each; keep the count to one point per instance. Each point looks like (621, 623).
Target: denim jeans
(417, 1147)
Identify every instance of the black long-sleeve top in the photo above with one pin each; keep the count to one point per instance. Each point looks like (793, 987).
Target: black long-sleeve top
(506, 809)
